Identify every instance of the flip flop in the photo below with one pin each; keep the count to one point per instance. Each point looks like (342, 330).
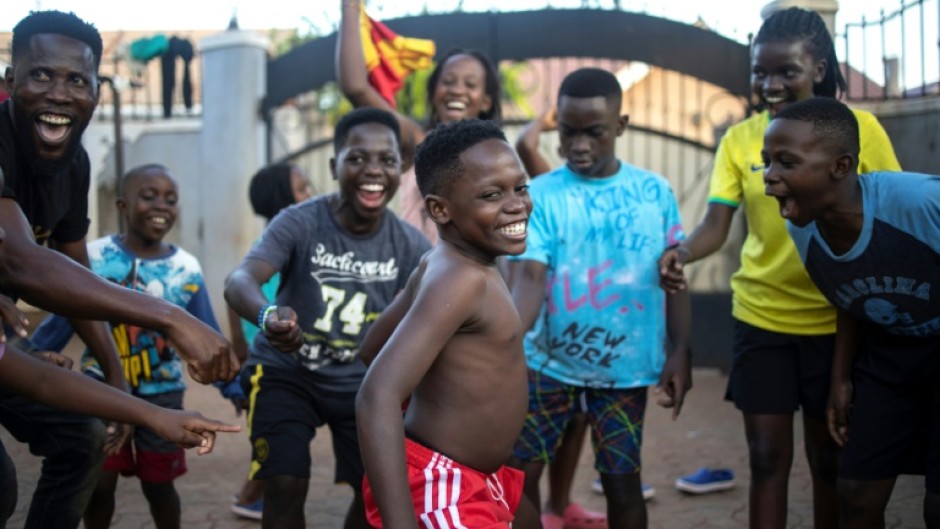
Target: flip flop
(577, 517)
(552, 521)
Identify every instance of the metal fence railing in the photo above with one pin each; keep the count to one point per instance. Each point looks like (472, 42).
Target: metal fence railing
(894, 55)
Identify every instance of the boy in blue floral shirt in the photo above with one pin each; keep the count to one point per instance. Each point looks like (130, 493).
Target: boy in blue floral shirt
(140, 259)
(587, 288)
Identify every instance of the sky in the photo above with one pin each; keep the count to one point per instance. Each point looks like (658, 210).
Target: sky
(734, 18)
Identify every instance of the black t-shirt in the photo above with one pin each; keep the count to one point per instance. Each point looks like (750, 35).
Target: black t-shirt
(55, 206)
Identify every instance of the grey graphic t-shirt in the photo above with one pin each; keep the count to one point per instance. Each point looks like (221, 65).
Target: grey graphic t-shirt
(337, 282)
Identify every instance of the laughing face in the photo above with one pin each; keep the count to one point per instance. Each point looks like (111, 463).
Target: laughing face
(489, 204)
(54, 91)
(798, 169)
(783, 73)
(367, 168)
(460, 92)
(149, 206)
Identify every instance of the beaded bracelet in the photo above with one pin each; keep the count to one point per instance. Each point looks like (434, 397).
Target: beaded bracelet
(263, 316)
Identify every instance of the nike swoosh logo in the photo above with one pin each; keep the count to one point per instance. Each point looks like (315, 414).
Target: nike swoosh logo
(755, 168)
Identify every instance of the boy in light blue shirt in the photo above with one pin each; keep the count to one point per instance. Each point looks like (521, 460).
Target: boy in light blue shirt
(588, 287)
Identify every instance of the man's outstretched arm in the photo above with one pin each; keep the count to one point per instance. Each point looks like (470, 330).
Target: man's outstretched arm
(52, 281)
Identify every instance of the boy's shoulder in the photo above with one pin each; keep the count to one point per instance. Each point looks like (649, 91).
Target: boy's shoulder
(557, 182)
(899, 191)
(561, 180)
(311, 206)
(108, 244)
(101, 242)
(317, 209)
(633, 172)
(289, 219)
(311, 214)
(907, 201)
(551, 179)
(897, 182)
(186, 259)
(455, 277)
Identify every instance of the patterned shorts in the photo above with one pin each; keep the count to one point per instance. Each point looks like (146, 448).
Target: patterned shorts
(615, 416)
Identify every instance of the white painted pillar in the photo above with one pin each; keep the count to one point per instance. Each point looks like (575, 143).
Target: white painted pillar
(234, 66)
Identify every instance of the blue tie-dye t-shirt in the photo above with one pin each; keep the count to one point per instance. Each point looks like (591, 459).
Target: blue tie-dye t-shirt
(603, 322)
(151, 365)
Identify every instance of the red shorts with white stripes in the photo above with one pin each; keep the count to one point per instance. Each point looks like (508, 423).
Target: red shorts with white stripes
(448, 495)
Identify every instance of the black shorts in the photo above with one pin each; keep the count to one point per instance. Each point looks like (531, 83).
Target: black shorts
(776, 373)
(285, 409)
(894, 423)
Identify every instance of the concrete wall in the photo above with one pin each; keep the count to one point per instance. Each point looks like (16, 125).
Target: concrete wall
(171, 143)
(212, 160)
(914, 128)
(232, 148)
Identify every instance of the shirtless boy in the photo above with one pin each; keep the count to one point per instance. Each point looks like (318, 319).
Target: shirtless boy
(452, 344)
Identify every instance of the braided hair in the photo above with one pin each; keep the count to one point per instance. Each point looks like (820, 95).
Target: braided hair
(437, 162)
(796, 24)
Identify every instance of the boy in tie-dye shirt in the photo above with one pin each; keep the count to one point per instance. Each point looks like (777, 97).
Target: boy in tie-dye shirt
(139, 259)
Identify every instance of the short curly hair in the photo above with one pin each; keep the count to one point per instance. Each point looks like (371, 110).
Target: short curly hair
(57, 23)
(437, 162)
(833, 123)
(362, 116)
(142, 170)
(592, 82)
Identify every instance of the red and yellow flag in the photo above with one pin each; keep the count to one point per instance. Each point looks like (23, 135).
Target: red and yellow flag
(391, 57)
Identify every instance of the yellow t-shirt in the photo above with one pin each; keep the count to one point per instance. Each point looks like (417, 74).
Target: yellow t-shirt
(771, 290)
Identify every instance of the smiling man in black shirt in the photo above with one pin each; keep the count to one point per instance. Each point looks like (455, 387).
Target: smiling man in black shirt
(54, 87)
